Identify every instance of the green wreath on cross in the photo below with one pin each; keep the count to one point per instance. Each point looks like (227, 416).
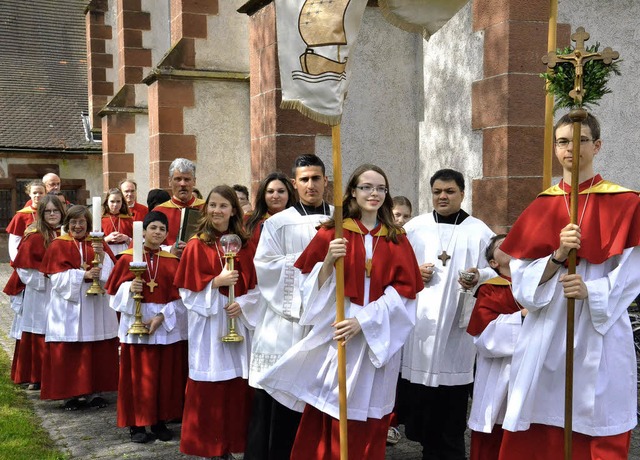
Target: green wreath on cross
(596, 74)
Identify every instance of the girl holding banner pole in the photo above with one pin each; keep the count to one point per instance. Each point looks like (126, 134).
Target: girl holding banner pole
(381, 282)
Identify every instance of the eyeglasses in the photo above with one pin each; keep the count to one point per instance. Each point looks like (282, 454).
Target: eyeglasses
(52, 211)
(564, 143)
(381, 189)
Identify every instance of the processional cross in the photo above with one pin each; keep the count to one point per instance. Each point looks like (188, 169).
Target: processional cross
(578, 57)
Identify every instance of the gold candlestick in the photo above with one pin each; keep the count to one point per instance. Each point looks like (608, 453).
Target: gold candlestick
(231, 244)
(95, 288)
(138, 268)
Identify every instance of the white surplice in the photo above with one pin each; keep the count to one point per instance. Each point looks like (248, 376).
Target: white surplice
(495, 346)
(173, 327)
(37, 293)
(605, 385)
(439, 351)
(74, 316)
(283, 238)
(210, 359)
(307, 373)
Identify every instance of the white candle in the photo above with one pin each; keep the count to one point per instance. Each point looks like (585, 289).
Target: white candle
(137, 242)
(97, 213)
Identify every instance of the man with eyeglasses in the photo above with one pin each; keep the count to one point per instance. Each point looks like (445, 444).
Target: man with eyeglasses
(437, 362)
(607, 240)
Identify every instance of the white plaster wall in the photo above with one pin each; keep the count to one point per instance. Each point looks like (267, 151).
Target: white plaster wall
(111, 46)
(88, 168)
(138, 144)
(452, 61)
(614, 24)
(220, 120)
(383, 107)
(227, 44)
(158, 39)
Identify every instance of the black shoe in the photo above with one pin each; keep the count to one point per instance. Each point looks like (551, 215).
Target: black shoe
(139, 434)
(34, 386)
(74, 404)
(162, 432)
(99, 402)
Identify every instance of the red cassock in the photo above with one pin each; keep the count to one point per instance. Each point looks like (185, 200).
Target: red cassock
(138, 211)
(394, 265)
(216, 414)
(494, 298)
(152, 377)
(122, 223)
(14, 287)
(30, 353)
(173, 210)
(73, 369)
(605, 231)
(21, 221)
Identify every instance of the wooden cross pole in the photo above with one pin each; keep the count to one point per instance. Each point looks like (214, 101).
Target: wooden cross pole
(342, 352)
(578, 57)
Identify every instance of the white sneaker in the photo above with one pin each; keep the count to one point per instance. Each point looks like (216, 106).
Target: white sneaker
(393, 435)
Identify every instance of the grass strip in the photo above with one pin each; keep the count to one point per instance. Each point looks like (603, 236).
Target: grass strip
(21, 435)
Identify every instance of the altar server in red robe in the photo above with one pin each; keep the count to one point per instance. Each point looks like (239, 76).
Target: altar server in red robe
(381, 281)
(24, 217)
(153, 367)
(182, 178)
(117, 223)
(495, 326)
(27, 264)
(607, 279)
(81, 349)
(218, 396)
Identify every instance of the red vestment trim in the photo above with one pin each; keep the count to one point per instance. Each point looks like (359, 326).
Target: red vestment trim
(152, 383)
(393, 264)
(547, 442)
(318, 437)
(493, 299)
(611, 224)
(73, 369)
(200, 263)
(28, 359)
(215, 418)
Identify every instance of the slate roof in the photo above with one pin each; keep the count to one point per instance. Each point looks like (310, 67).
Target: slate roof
(43, 75)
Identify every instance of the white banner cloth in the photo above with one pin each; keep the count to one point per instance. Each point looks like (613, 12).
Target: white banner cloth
(315, 39)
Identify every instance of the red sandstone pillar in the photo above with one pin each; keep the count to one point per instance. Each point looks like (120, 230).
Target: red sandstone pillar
(508, 106)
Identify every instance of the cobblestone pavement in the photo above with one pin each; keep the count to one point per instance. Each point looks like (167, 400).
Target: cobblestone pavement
(92, 433)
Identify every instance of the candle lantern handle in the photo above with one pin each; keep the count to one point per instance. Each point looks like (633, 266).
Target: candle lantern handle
(232, 335)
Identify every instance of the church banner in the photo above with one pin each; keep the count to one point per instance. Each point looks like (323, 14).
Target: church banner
(315, 40)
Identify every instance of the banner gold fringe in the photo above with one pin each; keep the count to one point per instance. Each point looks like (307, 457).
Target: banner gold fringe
(395, 20)
(331, 120)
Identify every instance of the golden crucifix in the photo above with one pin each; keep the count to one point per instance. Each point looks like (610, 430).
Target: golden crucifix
(578, 57)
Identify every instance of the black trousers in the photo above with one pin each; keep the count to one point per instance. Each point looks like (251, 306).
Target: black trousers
(436, 417)
(272, 429)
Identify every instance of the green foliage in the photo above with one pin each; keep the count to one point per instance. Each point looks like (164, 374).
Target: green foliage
(21, 437)
(596, 74)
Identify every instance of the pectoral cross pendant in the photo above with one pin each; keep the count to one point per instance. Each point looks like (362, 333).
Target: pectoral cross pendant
(444, 257)
(152, 284)
(368, 265)
(85, 266)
